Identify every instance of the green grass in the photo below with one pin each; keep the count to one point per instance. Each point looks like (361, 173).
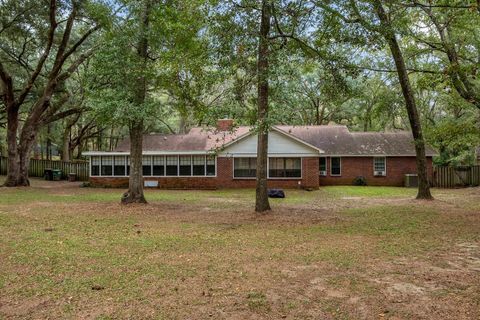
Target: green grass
(188, 260)
(368, 191)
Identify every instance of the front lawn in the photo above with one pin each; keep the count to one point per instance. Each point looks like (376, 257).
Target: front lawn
(335, 253)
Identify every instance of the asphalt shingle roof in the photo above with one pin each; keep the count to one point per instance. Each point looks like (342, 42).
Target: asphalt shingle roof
(333, 139)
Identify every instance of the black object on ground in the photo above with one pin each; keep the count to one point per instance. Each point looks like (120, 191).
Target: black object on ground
(276, 193)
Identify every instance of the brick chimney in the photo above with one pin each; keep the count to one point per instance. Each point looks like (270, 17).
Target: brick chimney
(224, 124)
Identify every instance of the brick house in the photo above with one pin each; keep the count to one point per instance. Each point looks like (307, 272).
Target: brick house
(299, 157)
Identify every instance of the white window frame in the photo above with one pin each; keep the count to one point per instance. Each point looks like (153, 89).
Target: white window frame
(326, 167)
(385, 167)
(124, 166)
(164, 166)
(191, 166)
(285, 178)
(335, 175)
(127, 164)
(233, 169)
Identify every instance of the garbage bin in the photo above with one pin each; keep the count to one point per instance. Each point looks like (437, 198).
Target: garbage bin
(57, 174)
(48, 174)
(72, 177)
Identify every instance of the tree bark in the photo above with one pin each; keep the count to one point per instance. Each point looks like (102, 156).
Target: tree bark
(136, 128)
(261, 201)
(49, 143)
(13, 159)
(389, 34)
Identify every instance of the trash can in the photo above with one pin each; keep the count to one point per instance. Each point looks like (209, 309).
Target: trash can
(48, 174)
(72, 177)
(57, 174)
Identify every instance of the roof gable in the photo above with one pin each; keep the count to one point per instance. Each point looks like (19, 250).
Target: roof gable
(279, 143)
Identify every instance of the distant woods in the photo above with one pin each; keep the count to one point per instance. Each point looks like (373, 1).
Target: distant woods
(69, 71)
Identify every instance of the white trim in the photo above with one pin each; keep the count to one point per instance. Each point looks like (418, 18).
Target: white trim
(151, 167)
(146, 153)
(371, 155)
(385, 164)
(271, 155)
(268, 170)
(243, 178)
(335, 175)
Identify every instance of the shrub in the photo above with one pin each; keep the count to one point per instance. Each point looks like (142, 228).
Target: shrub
(360, 181)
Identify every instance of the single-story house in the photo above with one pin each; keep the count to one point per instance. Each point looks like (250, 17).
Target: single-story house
(299, 157)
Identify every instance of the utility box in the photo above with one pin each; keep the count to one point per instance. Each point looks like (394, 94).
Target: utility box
(411, 180)
(57, 174)
(150, 184)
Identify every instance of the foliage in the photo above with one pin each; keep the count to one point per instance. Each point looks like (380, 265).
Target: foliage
(326, 67)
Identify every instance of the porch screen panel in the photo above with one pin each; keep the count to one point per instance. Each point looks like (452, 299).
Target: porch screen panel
(95, 163)
(244, 167)
(158, 165)
(185, 165)
(107, 164)
(210, 165)
(198, 165)
(119, 166)
(147, 165)
(172, 165)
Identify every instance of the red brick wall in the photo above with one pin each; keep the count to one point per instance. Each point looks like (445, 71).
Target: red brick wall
(224, 179)
(353, 167)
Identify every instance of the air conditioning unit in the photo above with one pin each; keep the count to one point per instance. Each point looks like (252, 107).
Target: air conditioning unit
(379, 173)
(323, 173)
(411, 180)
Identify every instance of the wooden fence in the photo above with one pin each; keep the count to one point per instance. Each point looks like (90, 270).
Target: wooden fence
(454, 177)
(37, 168)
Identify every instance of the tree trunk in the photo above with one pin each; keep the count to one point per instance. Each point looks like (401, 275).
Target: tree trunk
(389, 34)
(66, 144)
(13, 159)
(136, 128)
(27, 141)
(49, 143)
(135, 182)
(262, 204)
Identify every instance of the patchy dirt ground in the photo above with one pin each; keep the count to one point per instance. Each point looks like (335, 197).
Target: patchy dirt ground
(336, 253)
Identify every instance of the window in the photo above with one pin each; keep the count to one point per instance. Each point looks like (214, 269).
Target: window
(285, 167)
(107, 163)
(335, 166)
(379, 166)
(211, 166)
(244, 167)
(185, 165)
(147, 165)
(128, 165)
(172, 165)
(198, 165)
(322, 166)
(95, 170)
(158, 165)
(119, 166)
